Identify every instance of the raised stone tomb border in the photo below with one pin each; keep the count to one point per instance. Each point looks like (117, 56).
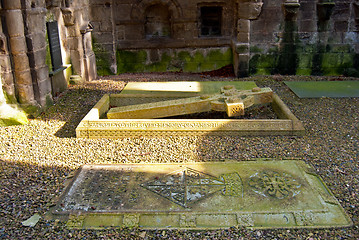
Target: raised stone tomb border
(93, 125)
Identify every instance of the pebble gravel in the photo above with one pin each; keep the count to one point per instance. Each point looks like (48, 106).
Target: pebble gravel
(36, 159)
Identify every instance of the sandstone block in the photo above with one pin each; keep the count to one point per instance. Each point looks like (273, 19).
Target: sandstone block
(13, 4)
(15, 23)
(249, 10)
(21, 62)
(18, 45)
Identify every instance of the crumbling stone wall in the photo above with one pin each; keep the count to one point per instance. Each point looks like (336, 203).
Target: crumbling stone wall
(26, 75)
(168, 41)
(265, 37)
(310, 38)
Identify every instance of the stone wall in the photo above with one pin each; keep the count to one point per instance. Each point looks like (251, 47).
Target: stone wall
(26, 73)
(162, 28)
(266, 37)
(320, 38)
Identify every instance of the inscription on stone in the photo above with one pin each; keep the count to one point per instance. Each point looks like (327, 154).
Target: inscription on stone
(199, 196)
(54, 42)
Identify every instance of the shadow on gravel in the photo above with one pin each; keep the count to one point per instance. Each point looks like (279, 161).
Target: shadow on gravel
(72, 108)
(27, 189)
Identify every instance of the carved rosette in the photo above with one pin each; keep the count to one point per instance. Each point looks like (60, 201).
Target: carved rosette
(275, 185)
(131, 220)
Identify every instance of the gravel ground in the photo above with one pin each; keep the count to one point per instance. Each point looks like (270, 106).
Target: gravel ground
(36, 159)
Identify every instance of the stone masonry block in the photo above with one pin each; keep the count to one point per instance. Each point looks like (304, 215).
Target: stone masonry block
(122, 12)
(36, 23)
(7, 79)
(37, 40)
(44, 86)
(242, 48)
(38, 58)
(17, 26)
(5, 64)
(74, 43)
(25, 93)
(18, 45)
(103, 38)
(42, 73)
(134, 32)
(307, 26)
(249, 10)
(106, 26)
(21, 62)
(23, 78)
(13, 4)
(101, 13)
(243, 26)
(243, 37)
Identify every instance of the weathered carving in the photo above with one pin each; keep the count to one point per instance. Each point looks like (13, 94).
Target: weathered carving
(249, 10)
(187, 221)
(68, 16)
(75, 221)
(131, 220)
(245, 220)
(291, 8)
(273, 184)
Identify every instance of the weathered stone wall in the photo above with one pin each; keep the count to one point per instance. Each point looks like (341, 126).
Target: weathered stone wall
(27, 77)
(123, 29)
(320, 39)
(270, 36)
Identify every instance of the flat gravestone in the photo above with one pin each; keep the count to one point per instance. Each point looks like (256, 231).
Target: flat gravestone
(255, 194)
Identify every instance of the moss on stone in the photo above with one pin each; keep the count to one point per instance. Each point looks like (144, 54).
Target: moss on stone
(256, 49)
(161, 66)
(131, 61)
(262, 64)
(103, 57)
(10, 116)
(186, 60)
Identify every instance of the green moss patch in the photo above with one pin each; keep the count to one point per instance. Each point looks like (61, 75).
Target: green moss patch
(189, 60)
(315, 59)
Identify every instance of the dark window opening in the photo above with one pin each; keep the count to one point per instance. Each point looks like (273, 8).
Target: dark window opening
(211, 21)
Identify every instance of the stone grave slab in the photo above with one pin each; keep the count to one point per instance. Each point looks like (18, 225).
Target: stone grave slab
(96, 125)
(253, 194)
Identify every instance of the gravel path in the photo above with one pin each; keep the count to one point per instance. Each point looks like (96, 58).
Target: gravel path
(35, 159)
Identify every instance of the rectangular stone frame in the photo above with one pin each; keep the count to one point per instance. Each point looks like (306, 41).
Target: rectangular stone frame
(92, 126)
(312, 206)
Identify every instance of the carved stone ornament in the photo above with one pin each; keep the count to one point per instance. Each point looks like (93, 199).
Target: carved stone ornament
(68, 16)
(131, 220)
(325, 10)
(291, 8)
(249, 10)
